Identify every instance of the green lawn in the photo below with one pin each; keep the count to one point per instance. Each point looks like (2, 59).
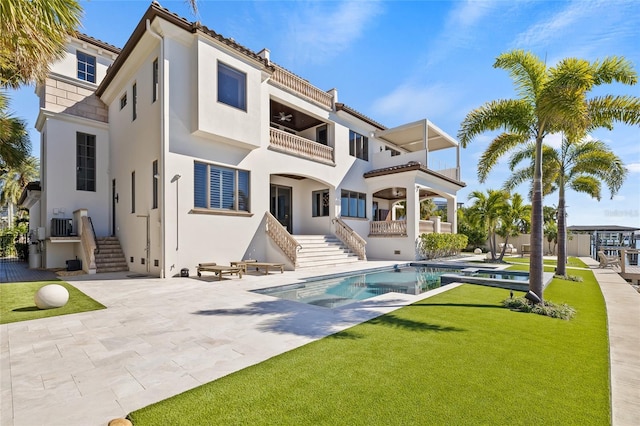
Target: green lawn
(572, 262)
(16, 302)
(456, 358)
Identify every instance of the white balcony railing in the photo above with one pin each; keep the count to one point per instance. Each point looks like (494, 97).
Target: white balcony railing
(291, 81)
(292, 144)
(426, 227)
(393, 228)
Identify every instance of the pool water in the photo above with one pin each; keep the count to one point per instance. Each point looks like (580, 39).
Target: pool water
(339, 291)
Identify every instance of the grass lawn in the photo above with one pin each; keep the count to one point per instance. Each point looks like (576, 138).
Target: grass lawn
(16, 302)
(572, 262)
(455, 358)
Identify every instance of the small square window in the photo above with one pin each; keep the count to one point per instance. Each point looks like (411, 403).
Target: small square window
(232, 87)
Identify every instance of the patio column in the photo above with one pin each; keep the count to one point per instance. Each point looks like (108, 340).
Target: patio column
(452, 214)
(413, 211)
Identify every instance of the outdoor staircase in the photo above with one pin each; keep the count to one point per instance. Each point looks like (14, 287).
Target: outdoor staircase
(322, 250)
(109, 255)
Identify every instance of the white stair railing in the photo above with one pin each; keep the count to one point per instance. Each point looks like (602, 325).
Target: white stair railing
(351, 238)
(282, 238)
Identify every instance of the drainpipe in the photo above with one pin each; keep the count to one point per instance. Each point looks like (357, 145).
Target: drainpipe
(163, 132)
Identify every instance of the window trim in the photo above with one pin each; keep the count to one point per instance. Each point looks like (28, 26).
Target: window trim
(154, 187)
(356, 148)
(347, 214)
(88, 77)
(87, 140)
(236, 190)
(134, 101)
(123, 101)
(155, 81)
(242, 103)
(133, 191)
(315, 209)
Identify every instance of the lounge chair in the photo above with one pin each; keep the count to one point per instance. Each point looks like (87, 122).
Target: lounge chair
(266, 266)
(606, 261)
(219, 270)
(510, 249)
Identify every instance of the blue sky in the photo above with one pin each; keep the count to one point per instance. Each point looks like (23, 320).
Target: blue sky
(398, 62)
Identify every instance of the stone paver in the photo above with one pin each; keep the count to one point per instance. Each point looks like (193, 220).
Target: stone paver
(161, 337)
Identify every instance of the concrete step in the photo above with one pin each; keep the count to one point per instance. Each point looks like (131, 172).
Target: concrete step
(325, 263)
(102, 270)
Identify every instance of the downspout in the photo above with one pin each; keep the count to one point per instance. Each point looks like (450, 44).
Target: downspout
(163, 132)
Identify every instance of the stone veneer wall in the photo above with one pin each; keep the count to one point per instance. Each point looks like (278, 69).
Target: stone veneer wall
(60, 96)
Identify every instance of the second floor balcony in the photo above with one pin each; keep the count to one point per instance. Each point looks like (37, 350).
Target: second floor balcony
(420, 142)
(280, 140)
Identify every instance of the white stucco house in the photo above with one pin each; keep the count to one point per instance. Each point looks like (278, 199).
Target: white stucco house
(188, 147)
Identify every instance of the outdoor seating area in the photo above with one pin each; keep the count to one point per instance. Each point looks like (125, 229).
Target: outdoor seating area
(265, 266)
(607, 261)
(525, 250)
(219, 270)
(510, 249)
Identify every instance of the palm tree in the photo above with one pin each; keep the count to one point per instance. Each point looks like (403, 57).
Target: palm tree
(485, 212)
(581, 166)
(14, 180)
(550, 100)
(14, 139)
(514, 219)
(33, 34)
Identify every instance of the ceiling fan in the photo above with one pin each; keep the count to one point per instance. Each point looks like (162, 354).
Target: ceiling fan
(283, 116)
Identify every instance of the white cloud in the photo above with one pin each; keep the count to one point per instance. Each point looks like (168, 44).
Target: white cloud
(618, 198)
(554, 140)
(633, 167)
(547, 30)
(317, 33)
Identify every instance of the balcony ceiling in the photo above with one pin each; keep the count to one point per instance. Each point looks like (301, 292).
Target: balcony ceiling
(401, 194)
(411, 136)
(298, 120)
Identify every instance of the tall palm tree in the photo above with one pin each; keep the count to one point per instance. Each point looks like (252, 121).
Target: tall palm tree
(551, 100)
(581, 166)
(514, 219)
(14, 139)
(33, 34)
(486, 211)
(14, 180)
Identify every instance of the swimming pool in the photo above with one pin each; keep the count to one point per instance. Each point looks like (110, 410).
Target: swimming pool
(415, 278)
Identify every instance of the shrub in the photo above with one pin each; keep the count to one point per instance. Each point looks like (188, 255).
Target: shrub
(431, 246)
(569, 278)
(547, 308)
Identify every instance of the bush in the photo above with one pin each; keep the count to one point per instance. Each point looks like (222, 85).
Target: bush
(431, 246)
(569, 278)
(549, 309)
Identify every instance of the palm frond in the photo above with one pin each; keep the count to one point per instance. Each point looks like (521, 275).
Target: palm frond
(527, 71)
(604, 111)
(515, 116)
(502, 144)
(614, 69)
(586, 184)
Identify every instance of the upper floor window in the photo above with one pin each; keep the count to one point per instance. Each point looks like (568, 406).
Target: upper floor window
(85, 162)
(353, 204)
(320, 203)
(358, 145)
(220, 188)
(154, 93)
(123, 100)
(134, 101)
(86, 67)
(321, 135)
(232, 87)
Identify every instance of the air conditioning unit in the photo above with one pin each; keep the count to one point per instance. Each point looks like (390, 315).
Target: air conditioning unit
(61, 227)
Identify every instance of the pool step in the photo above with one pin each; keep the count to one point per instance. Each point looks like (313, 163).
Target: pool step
(322, 251)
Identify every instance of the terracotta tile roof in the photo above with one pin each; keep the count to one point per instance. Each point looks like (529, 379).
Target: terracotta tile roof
(408, 167)
(349, 110)
(99, 43)
(155, 10)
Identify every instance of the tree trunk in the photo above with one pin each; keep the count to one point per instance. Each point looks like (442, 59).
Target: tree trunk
(504, 248)
(562, 230)
(536, 260)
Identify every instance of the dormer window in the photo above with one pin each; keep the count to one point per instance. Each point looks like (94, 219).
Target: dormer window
(86, 67)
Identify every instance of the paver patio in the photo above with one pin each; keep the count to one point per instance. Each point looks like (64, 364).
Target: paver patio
(159, 337)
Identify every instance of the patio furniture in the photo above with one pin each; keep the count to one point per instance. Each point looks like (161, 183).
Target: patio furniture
(266, 266)
(243, 264)
(219, 270)
(606, 261)
(525, 249)
(510, 248)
